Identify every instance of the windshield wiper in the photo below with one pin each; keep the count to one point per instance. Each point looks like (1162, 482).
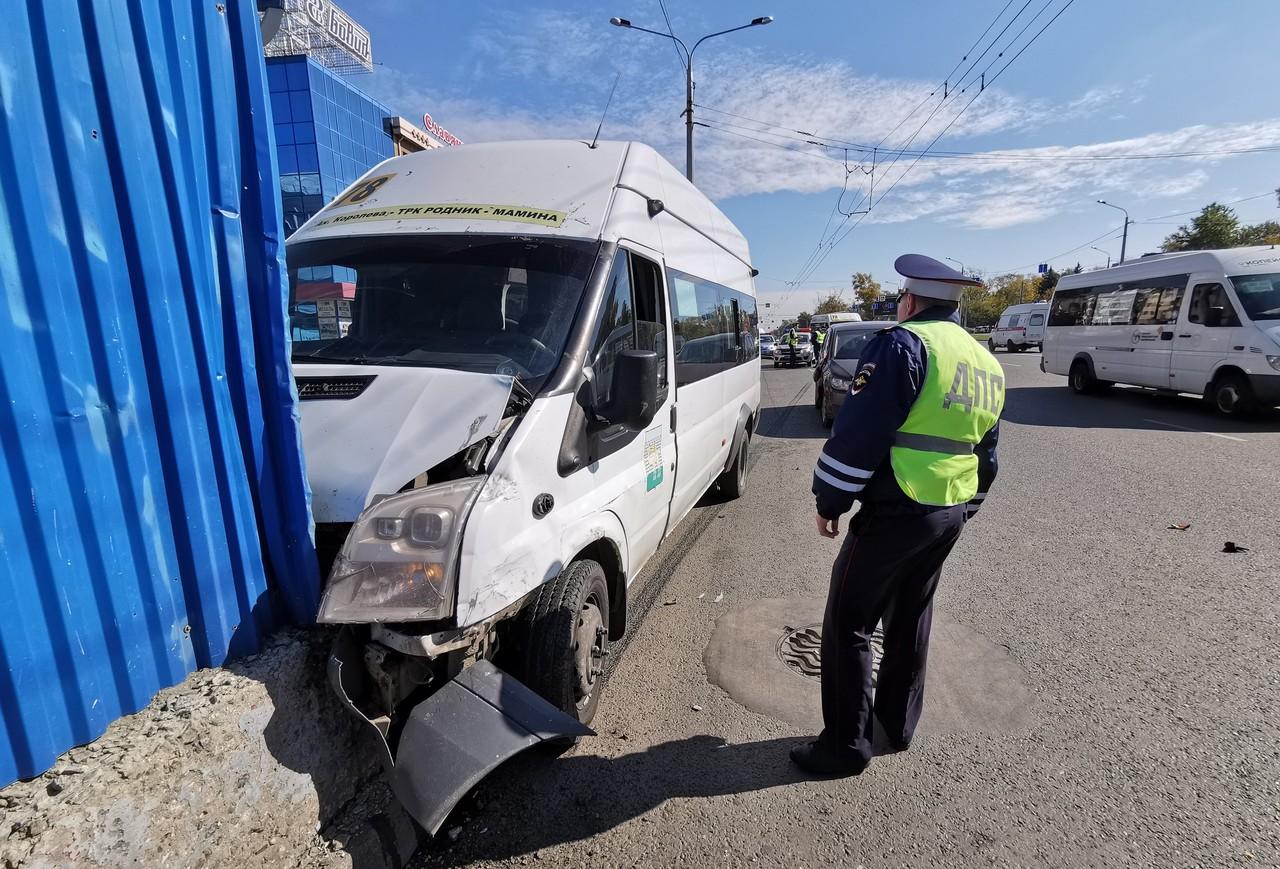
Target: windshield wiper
(319, 357)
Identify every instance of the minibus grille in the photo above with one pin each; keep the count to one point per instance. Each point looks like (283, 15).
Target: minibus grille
(315, 388)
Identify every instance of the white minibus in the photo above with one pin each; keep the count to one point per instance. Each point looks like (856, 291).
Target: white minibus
(826, 321)
(1203, 322)
(1019, 327)
(520, 365)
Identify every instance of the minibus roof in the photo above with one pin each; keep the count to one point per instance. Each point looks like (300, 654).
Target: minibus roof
(1234, 261)
(557, 188)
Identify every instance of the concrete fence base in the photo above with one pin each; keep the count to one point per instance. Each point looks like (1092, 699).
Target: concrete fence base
(256, 764)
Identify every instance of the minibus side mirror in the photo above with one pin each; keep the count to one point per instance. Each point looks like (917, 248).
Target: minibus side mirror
(634, 393)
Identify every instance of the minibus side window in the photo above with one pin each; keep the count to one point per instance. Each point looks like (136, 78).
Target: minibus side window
(651, 319)
(1073, 307)
(1037, 319)
(616, 331)
(1170, 303)
(1211, 307)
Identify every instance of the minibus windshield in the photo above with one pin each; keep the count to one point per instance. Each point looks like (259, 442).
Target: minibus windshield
(1260, 295)
(484, 303)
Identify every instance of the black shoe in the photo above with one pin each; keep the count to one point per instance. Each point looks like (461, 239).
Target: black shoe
(816, 758)
(900, 746)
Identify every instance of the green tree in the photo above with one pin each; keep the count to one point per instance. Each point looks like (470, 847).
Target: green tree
(1267, 232)
(1216, 226)
(834, 303)
(1045, 284)
(802, 319)
(866, 292)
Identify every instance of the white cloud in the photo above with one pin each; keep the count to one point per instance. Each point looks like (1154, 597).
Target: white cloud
(558, 58)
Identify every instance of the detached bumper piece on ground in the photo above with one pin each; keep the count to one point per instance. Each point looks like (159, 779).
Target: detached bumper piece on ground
(454, 738)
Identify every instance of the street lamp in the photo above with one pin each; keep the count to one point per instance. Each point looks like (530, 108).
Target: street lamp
(1100, 250)
(688, 74)
(1124, 238)
(963, 314)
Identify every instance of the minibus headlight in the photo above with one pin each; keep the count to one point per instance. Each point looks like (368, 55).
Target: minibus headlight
(399, 563)
(1274, 362)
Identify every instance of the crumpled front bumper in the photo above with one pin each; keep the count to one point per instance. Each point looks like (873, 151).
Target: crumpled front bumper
(453, 738)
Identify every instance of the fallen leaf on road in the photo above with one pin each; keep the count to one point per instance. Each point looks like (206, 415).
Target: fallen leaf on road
(697, 708)
(1179, 526)
(719, 598)
(669, 602)
(701, 596)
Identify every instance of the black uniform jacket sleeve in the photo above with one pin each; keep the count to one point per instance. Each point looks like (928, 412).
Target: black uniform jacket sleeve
(888, 379)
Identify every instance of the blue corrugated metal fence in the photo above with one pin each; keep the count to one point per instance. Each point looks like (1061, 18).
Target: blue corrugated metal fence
(153, 512)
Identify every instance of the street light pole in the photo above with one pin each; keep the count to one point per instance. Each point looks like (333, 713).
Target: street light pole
(963, 313)
(1100, 250)
(1124, 238)
(688, 74)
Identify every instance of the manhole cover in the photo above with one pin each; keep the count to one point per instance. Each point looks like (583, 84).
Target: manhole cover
(801, 650)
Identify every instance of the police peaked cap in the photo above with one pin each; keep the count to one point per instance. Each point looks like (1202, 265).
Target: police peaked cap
(927, 277)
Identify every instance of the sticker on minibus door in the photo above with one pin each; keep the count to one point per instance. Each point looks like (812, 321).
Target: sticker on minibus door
(653, 458)
(449, 211)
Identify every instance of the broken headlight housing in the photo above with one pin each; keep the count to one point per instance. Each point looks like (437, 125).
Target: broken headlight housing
(399, 563)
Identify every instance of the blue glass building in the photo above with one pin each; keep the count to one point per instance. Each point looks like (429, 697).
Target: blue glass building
(328, 134)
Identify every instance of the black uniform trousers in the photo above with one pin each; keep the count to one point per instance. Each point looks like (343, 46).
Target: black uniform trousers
(888, 568)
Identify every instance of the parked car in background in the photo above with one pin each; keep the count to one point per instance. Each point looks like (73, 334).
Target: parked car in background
(1020, 327)
(766, 345)
(837, 365)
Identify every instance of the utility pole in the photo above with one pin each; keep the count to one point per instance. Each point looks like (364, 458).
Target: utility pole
(688, 74)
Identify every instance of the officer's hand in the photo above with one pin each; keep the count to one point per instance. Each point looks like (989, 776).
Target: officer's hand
(828, 527)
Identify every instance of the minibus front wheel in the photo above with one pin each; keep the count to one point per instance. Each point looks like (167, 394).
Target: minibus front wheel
(566, 639)
(1230, 394)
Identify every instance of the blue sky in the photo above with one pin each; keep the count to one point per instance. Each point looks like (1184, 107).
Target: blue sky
(1106, 78)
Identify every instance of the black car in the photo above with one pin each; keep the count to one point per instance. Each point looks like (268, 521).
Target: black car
(837, 364)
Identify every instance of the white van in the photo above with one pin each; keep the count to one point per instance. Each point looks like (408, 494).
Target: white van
(1020, 327)
(520, 365)
(1204, 322)
(826, 321)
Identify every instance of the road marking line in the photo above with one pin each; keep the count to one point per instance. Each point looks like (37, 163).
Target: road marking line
(1197, 431)
(1011, 364)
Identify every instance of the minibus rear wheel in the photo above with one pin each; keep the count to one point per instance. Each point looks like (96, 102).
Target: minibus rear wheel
(1082, 381)
(566, 639)
(733, 482)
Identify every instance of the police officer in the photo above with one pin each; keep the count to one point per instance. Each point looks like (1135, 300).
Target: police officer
(792, 341)
(915, 442)
(819, 337)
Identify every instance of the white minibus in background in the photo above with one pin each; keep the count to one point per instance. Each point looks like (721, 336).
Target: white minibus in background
(1203, 322)
(1019, 327)
(826, 321)
(520, 365)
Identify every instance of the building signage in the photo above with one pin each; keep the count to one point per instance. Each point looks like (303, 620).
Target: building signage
(341, 28)
(438, 131)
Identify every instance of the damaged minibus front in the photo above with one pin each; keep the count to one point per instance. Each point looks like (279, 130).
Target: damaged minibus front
(488, 416)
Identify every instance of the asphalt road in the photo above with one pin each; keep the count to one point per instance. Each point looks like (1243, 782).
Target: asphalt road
(1103, 691)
